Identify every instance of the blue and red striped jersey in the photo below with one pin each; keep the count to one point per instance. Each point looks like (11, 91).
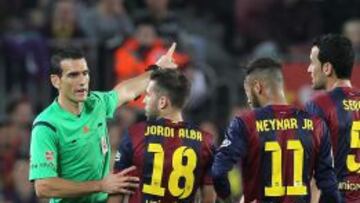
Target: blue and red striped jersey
(172, 160)
(340, 108)
(281, 148)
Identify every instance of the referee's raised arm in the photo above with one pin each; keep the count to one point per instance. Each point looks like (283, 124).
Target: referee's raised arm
(132, 88)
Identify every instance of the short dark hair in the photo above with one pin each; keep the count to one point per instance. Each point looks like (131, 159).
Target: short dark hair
(61, 54)
(261, 64)
(338, 51)
(173, 83)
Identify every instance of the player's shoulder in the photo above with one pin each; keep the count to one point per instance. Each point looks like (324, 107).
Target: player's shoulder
(207, 137)
(206, 134)
(302, 113)
(320, 97)
(245, 120)
(247, 115)
(195, 126)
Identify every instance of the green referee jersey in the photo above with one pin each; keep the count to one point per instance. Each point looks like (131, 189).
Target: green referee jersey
(73, 147)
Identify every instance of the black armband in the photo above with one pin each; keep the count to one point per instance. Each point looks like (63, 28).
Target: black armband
(152, 67)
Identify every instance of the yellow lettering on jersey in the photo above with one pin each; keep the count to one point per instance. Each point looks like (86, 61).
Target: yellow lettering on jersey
(159, 131)
(280, 123)
(169, 132)
(190, 134)
(259, 126)
(181, 133)
(276, 124)
(351, 161)
(351, 105)
(308, 125)
(286, 124)
(293, 123)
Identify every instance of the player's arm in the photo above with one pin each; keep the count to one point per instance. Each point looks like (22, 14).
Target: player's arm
(315, 192)
(208, 194)
(324, 172)
(123, 159)
(231, 149)
(113, 183)
(207, 191)
(132, 88)
(115, 199)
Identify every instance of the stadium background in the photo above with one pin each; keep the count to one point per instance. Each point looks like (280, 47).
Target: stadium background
(120, 37)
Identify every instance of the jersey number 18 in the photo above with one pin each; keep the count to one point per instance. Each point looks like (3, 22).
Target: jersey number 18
(179, 170)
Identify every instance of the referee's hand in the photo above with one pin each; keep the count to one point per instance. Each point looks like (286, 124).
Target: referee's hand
(120, 182)
(166, 60)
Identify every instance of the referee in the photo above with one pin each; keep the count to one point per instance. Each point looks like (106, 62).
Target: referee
(70, 151)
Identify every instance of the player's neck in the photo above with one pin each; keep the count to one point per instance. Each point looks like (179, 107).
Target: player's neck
(70, 106)
(276, 99)
(338, 83)
(174, 116)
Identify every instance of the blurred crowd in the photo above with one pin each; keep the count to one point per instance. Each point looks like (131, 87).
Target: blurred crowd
(122, 37)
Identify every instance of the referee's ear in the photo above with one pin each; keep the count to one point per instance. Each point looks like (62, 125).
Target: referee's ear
(55, 80)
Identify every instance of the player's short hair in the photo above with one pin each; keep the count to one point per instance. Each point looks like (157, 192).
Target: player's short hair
(338, 51)
(62, 54)
(267, 70)
(262, 64)
(173, 83)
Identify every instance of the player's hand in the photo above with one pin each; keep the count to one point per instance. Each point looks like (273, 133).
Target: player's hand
(166, 60)
(120, 182)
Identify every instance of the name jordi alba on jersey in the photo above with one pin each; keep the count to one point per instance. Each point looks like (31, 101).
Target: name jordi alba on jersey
(166, 131)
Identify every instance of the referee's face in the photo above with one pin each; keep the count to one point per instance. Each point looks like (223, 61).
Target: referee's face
(74, 81)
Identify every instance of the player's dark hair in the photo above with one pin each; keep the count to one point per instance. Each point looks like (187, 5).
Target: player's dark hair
(262, 64)
(62, 54)
(173, 83)
(338, 51)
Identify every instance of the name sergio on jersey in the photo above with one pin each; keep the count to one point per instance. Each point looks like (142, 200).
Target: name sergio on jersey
(282, 124)
(159, 130)
(351, 105)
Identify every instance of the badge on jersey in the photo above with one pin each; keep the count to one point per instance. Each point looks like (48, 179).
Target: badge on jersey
(117, 156)
(104, 146)
(49, 155)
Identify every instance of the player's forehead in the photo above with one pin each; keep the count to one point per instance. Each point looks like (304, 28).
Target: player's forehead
(73, 65)
(314, 53)
(151, 86)
(249, 79)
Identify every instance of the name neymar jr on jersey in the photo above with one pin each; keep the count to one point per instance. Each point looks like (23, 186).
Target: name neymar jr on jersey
(283, 124)
(159, 130)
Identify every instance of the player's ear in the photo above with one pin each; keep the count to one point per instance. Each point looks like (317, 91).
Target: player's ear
(327, 69)
(55, 81)
(162, 102)
(257, 87)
